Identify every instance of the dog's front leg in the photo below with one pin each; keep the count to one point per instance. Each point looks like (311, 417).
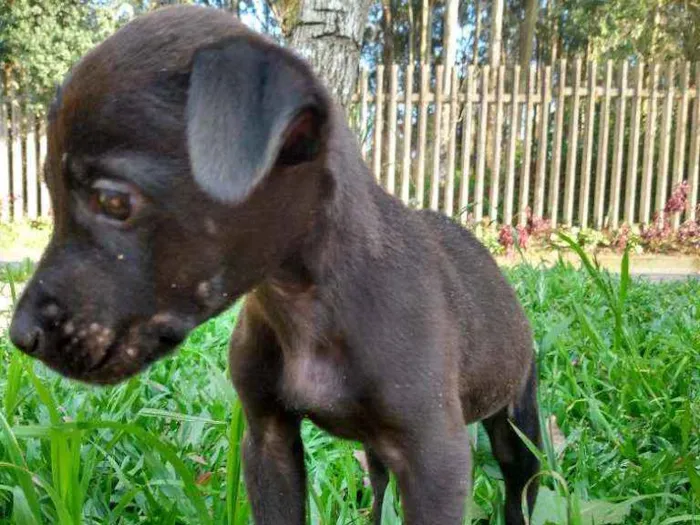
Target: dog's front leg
(273, 460)
(273, 454)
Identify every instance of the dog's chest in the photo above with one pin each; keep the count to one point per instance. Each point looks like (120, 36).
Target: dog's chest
(316, 381)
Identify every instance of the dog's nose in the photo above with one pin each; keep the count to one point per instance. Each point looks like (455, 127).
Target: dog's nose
(26, 334)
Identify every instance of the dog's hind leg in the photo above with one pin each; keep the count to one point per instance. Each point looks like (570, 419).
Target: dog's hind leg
(518, 464)
(379, 477)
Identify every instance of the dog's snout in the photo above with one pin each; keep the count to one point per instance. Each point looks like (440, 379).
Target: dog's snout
(26, 332)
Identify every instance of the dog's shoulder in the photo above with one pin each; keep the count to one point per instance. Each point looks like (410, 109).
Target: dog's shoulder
(454, 237)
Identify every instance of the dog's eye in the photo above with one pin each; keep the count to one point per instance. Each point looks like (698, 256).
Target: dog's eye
(113, 200)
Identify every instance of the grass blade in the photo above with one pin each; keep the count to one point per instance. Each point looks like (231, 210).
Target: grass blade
(22, 475)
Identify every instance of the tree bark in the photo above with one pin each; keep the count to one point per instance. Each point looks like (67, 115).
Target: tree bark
(527, 34)
(328, 33)
(388, 30)
(477, 31)
(411, 34)
(449, 37)
(496, 34)
(424, 25)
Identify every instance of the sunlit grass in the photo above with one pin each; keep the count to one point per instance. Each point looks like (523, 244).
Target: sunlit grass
(619, 369)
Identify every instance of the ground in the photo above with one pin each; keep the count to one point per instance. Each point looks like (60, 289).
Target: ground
(620, 397)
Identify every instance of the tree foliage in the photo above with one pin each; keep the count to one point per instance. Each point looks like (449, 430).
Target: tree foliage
(40, 39)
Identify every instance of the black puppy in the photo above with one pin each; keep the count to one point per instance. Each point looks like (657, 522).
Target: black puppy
(192, 161)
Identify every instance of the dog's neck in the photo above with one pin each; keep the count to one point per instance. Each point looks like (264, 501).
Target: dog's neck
(347, 234)
(349, 225)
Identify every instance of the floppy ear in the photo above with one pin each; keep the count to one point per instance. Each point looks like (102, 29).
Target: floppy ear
(250, 107)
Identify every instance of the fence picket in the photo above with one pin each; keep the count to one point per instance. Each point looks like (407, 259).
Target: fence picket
(665, 145)
(17, 199)
(407, 132)
(555, 172)
(364, 120)
(681, 130)
(481, 145)
(452, 146)
(32, 181)
(527, 153)
(649, 145)
(512, 146)
(618, 150)
(45, 200)
(603, 137)
(633, 153)
(585, 190)
(572, 148)
(378, 124)
(422, 132)
(497, 146)
(391, 146)
(4, 162)
(466, 145)
(437, 141)
(694, 156)
(542, 140)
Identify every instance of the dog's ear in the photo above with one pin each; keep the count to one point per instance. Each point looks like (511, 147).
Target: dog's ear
(251, 106)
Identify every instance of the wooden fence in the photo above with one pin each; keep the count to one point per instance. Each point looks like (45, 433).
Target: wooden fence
(593, 145)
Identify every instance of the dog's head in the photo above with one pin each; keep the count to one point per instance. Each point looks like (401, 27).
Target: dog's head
(185, 160)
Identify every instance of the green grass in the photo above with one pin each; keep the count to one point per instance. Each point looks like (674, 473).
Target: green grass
(23, 238)
(619, 368)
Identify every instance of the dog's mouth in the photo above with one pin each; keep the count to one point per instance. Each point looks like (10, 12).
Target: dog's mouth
(127, 353)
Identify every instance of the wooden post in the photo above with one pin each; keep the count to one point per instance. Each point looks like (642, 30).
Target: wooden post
(497, 140)
(481, 145)
(452, 146)
(694, 156)
(512, 146)
(407, 131)
(557, 146)
(32, 175)
(585, 191)
(618, 150)
(665, 145)
(542, 161)
(378, 124)
(364, 121)
(681, 131)
(45, 203)
(603, 137)
(437, 129)
(466, 145)
(527, 150)
(17, 171)
(422, 132)
(391, 147)
(649, 143)
(571, 156)
(4, 162)
(633, 153)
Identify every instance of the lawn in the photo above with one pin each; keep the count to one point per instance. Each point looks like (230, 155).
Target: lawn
(619, 373)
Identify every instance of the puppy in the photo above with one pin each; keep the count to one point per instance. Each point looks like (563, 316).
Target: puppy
(190, 162)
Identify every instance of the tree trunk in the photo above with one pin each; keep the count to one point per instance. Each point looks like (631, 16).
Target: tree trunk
(449, 37)
(496, 33)
(553, 34)
(411, 34)
(449, 45)
(477, 31)
(388, 30)
(424, 25)
(328, 33)
(527, 34)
